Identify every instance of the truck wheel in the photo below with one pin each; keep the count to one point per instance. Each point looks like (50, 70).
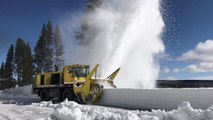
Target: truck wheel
(44, 95)
(67, 93)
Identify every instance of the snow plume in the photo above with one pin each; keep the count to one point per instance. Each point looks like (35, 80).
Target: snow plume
(122, 34)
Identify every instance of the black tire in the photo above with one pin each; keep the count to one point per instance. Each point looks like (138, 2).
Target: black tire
(44, 95)
(67, 93)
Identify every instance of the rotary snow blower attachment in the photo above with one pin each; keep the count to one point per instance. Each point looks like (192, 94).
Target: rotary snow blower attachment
(74, 82)
(91, 89)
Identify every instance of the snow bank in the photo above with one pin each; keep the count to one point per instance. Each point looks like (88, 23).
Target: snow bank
(18, 95)
(164, 99)
(24, 112)
(25, 91)
(71, 110)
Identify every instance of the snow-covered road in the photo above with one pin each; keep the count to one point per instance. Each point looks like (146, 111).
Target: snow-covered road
(19, 104)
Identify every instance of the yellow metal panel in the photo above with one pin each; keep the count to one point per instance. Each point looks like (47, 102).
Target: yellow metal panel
(84, 89)
(79, 79)
(38, 80)
(47, 78)
(67, 78)
(114, 74)
(74, 65)
(67, 75)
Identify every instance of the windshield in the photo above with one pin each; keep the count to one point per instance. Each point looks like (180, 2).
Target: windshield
(80, 72)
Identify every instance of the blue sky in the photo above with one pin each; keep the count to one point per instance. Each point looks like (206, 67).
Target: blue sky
(188, 23)
(25, 18)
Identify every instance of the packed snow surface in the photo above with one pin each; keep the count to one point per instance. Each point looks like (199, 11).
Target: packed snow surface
(159, 98)
(69, 110)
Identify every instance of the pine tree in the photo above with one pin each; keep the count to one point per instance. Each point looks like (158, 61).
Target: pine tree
(19, 59)
(40, 52)
(9, 67)
(2, 71)
(48, 63)
(84, 28)
(27, 66)
(58, 48)
(43, 57)
(2, 86)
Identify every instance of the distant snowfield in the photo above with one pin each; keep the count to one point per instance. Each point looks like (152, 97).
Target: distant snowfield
(19, 104)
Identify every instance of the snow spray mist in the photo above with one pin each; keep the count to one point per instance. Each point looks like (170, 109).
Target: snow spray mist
(124, 33)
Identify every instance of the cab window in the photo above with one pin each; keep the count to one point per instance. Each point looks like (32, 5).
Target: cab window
(79, 71)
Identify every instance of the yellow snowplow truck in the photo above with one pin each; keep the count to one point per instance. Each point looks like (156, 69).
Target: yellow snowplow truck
(75, 82)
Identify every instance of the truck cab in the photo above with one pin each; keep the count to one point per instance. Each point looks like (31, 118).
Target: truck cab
(75, 72)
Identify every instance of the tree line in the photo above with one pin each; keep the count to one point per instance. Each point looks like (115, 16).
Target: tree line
(22, 64)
